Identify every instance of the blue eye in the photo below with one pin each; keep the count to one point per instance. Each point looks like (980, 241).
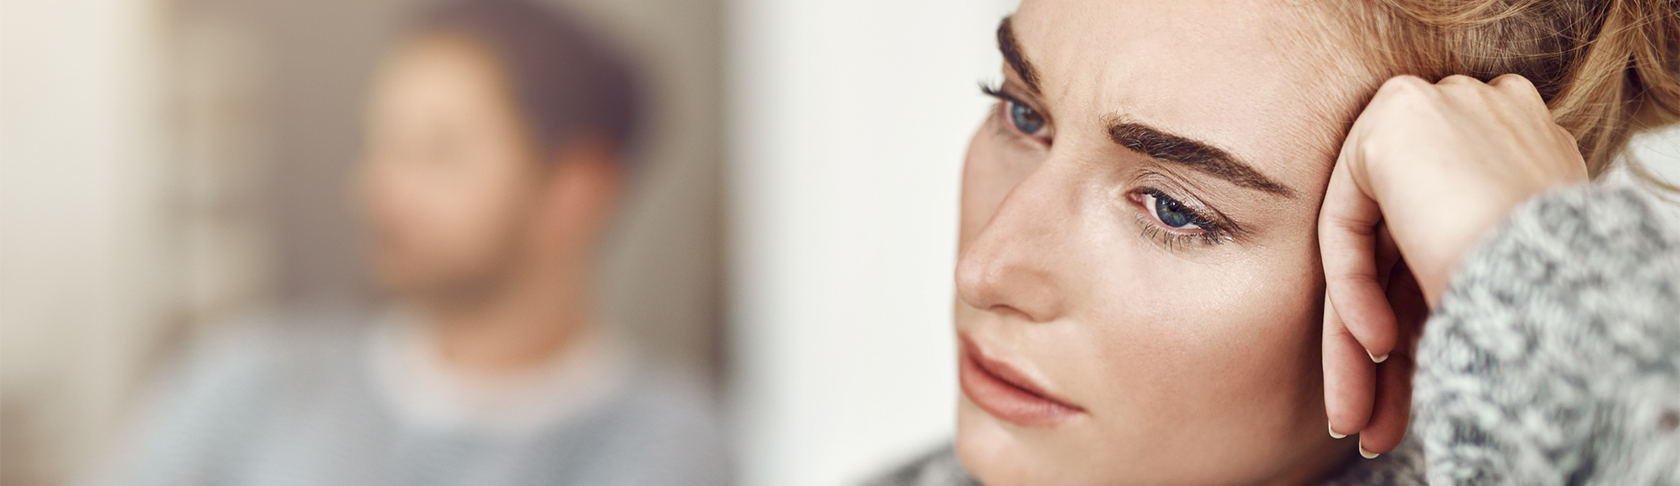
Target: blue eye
(1174, 225)
(1172, 213)
(1027, 120)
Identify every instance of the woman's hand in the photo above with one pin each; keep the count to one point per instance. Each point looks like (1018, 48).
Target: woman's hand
(1426, 172)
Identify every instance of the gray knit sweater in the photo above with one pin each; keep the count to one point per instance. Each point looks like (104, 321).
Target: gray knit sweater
(1554, 358)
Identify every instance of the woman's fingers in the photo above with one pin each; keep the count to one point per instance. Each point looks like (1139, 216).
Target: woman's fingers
(1519, 88)
(1391, 408)
(1426, 169)
(1359, 325)
(1349, 377)
(1392, 405)
(1348, 243)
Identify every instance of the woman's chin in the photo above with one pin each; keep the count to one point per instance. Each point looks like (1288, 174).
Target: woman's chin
(1000, 453)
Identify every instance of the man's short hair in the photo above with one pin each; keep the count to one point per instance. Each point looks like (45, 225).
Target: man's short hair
(564, 79)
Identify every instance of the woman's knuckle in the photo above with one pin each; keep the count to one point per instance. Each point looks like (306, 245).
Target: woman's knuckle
(1405, 84)
(1459, 79)
(1513, 80)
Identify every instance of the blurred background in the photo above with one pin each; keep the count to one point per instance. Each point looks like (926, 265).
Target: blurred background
(169, 166)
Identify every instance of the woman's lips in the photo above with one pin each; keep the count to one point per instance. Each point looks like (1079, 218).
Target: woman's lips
(1006, 393)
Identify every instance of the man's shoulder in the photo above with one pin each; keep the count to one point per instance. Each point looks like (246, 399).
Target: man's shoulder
(275, 340)
(256, 355)
(650, 429)
(935, 468)
(650, 404)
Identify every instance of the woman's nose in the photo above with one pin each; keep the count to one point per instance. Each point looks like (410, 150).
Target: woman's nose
(1010, 267)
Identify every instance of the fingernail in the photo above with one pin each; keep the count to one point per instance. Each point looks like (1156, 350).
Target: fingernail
(1335, 435)
(1367, 454)
(1375, 358)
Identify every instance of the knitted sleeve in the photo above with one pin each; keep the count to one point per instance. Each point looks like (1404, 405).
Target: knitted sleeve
(1554, 357)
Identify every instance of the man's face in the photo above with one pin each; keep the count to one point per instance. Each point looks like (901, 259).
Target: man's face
(449, 176)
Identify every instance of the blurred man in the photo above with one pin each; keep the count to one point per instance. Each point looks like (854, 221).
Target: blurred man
(496, 157)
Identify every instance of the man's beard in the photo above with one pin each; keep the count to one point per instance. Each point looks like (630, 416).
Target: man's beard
(462, 285)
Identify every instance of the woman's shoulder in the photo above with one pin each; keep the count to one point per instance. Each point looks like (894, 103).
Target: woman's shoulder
(938, 467)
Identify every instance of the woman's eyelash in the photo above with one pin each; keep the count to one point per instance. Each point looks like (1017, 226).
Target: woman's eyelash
(1211, 233)
(1173, 241)
(995, 90)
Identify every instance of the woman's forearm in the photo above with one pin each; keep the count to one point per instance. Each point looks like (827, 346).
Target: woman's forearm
(1554, 356)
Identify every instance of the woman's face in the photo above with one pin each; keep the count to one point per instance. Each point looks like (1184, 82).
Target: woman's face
(1139, 282)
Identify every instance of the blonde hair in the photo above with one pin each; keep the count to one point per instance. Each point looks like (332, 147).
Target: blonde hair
(1606, 68)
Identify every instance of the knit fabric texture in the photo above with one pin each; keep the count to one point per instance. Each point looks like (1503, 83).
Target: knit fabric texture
(1554, 357)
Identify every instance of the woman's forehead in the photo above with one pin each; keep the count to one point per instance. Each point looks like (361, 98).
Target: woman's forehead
(1250, 77)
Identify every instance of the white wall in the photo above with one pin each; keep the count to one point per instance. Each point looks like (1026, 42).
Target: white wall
(849, 124)
(81, 261)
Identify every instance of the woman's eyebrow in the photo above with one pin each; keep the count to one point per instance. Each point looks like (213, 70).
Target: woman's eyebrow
(1188, 152)
(1014, 57)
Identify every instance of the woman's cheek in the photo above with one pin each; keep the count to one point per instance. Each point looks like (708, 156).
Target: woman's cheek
(1172, 328)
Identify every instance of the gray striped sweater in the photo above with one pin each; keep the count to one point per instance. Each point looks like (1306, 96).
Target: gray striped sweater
(297, 403)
